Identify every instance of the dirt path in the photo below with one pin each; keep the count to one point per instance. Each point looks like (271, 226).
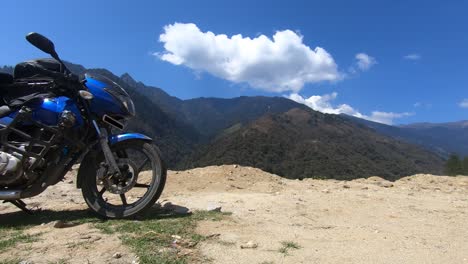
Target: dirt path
(418, 219)
(421, 219)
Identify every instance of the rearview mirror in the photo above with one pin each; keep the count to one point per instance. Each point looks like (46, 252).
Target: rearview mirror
(42, 43)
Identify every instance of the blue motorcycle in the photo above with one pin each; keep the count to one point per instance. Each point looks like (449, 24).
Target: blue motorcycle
(50, 119)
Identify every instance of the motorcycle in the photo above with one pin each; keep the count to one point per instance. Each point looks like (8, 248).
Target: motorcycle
(52, 119)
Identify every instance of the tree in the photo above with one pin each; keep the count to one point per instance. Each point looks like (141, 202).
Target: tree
(465, 166)
(454, 166)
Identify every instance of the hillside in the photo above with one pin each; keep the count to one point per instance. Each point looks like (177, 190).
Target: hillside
(441, 138)
(417, 219)
(210, 116)
(304, 143)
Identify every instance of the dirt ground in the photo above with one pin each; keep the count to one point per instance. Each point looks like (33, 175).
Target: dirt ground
(418, 219)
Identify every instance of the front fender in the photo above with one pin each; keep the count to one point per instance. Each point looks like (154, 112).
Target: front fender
(113, 139)
(87, 165)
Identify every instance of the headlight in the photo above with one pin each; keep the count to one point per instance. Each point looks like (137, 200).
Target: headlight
(129, 106)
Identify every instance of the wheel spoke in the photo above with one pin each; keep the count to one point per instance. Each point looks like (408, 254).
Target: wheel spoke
(142, 185)
(142, 165)
(123, 198)
(101, 192)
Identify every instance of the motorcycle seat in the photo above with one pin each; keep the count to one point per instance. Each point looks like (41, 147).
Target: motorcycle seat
(5, 78)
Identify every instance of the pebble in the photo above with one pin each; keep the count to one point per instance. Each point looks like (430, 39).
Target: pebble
(249, 244)
(58, 224)
(214, 208)
(346, 186)
(176, 237)
(326, 191)
(117, 255)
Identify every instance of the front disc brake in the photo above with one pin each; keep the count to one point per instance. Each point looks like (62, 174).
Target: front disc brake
(121, 184)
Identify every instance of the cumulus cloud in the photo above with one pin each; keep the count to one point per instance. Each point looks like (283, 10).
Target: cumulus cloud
(463, 103)
(278, 64)
(324, 104)
(412, 56)
(386, 117)
(364, 61)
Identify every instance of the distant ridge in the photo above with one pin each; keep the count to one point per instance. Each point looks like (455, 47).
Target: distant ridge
(441, 138)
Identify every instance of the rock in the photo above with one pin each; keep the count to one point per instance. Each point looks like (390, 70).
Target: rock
(365, 188)
(176, 237)
(59, 224)
(326, 191)
(214, 208)
(385, 184)
(177, 209)
(346, 186)
(117, 255)
(249, 244)
(235, 166)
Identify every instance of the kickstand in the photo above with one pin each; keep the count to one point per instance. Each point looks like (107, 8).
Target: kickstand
(21, 205)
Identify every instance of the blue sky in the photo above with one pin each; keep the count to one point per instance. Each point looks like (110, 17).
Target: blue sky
(416, 67)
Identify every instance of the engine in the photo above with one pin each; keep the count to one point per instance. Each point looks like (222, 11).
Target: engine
(11, 169)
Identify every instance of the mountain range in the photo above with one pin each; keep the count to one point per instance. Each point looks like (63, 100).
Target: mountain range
(441, 138)
(281, 136)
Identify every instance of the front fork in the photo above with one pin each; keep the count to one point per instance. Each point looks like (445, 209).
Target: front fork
(110, 159)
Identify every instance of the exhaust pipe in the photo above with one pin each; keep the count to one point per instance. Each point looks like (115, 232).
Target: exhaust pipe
(10, 195)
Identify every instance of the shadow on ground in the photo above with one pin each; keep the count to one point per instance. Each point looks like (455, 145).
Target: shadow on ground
(20, 219)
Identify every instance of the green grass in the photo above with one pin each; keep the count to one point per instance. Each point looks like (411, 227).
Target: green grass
(287, 246)
(149, 236)
(151, 239)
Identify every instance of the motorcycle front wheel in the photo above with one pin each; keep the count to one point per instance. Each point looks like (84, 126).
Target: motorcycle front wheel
(142, 180)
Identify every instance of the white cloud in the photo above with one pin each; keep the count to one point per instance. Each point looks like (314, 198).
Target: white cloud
(278, 64)
(323, 103)
(463, 103)
(364, 61)
(386, 117)
(412, 56)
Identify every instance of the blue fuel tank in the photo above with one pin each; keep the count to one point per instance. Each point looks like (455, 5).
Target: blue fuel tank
(50, 111)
